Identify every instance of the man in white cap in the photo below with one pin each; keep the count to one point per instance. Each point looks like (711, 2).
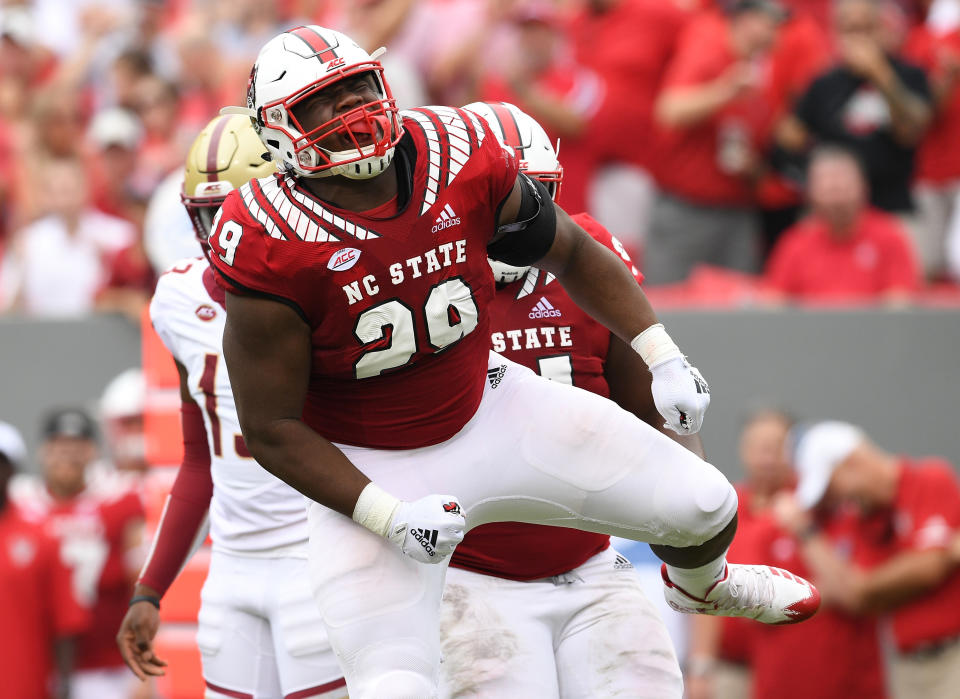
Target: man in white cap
(909, 512)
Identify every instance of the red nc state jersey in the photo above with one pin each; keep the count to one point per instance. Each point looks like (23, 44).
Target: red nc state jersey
(398, 306)
(535, 323)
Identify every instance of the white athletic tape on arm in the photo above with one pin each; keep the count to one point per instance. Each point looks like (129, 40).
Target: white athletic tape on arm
(655, 346)
(374, 509)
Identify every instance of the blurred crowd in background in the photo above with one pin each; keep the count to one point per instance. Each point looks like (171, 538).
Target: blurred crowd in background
(748, 151)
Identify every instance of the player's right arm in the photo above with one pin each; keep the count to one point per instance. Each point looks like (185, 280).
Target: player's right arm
(267, 346)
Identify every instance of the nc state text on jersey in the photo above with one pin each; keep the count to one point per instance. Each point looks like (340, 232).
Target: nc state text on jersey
(432, 260)
(531, 338)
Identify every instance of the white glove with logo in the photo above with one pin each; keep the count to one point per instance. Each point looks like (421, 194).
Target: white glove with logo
(427, 529)
(679, 391)
(681, 395)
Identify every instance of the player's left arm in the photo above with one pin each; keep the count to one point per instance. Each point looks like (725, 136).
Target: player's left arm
(532, 229)
(629, 381)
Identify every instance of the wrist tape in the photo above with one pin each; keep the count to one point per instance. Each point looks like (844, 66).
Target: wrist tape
(374, 509)
(655, 346)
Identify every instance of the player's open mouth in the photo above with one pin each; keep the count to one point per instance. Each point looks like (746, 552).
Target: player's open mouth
(363, 131)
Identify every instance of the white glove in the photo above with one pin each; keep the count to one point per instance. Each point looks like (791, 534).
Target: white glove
(428, 529)
(681, 395)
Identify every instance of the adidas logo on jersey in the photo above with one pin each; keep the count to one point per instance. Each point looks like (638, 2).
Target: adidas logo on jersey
(621, 563)
(446, 219)
(495, 375)
(427, 539)
(544, 309)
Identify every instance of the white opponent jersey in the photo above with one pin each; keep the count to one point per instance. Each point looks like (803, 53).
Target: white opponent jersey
(252, 511)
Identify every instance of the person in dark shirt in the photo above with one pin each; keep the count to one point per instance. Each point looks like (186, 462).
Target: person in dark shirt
(871, 101)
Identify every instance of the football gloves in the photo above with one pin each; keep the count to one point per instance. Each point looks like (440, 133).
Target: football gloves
(681, 395)
(428, 529)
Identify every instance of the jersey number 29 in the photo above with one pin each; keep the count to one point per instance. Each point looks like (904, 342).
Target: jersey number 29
(449, 311)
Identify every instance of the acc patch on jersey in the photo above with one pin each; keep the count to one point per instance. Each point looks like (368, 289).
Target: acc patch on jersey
(343, 259)
(206, 312)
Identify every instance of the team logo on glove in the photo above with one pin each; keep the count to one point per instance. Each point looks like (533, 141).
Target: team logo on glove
(701, 383)
(453, 507)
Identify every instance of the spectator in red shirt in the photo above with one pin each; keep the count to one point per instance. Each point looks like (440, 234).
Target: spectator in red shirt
(911, 509)
(714, 109)
(99, 522)
(844, 250)
(938, 159)
(544, 81)
(620, 49)
(40, 614)
(839, 651)
(718, 663)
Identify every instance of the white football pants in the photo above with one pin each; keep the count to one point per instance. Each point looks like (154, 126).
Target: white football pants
(588, 633)
(260, 634)
(536, 451)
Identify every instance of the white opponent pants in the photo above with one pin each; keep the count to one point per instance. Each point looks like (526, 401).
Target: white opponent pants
(260, 633)
(105, 683)
(535, 451)
(588, 633)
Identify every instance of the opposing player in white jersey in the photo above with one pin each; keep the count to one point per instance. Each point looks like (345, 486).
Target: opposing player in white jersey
(528, 619)
(260, 633)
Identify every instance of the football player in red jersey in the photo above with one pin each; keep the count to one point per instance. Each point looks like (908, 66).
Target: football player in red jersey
(356, 340)
(40, 612)
(99, 523)
(557, 593)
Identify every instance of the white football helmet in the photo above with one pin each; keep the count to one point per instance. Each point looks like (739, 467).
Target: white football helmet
(293, 67)
(518, 130)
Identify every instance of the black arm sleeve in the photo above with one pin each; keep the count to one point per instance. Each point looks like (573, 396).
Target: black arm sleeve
(529, 238)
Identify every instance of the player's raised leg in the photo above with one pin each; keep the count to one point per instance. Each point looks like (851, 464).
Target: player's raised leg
(634, 482)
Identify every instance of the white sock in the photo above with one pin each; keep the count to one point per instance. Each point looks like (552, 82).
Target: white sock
(696, 581)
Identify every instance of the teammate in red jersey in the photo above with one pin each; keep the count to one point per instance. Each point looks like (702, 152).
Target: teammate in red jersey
(356, 339)
(41, 615)
(555, 592)
(99, 522)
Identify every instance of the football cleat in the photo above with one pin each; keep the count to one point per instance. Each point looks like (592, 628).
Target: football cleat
(769, 595)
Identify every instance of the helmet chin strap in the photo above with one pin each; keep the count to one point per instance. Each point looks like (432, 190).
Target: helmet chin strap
(364, 169)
